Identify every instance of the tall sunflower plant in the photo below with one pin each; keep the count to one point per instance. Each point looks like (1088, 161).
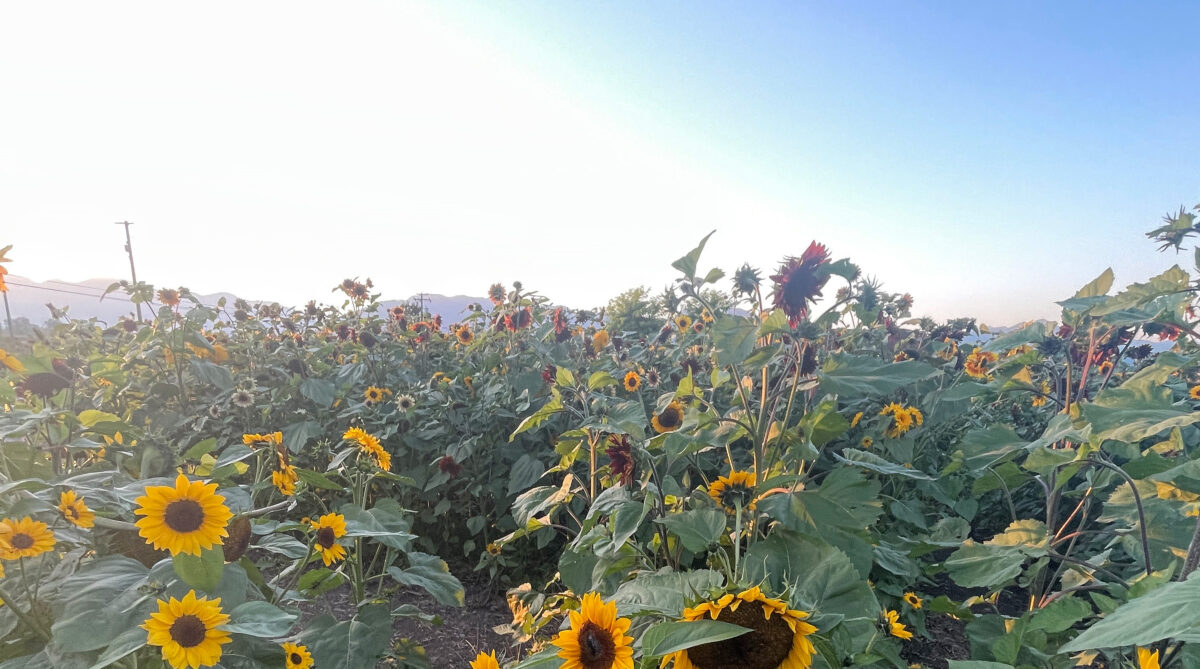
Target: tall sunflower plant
(718, 526)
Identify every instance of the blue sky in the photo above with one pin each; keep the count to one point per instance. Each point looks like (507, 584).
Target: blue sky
(989, 159)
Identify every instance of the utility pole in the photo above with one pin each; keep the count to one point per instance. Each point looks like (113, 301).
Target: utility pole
(132, 270)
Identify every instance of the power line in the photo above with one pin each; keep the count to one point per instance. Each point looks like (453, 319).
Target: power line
(72, 292)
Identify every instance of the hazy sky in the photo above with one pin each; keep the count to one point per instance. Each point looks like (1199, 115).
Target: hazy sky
(987, 159)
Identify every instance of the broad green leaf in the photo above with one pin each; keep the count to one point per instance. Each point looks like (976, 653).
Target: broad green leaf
(977, 664)
(823, 423)
(431, 573)
(540, 416)
(853, 376)
(357, 642)
(1169, 612)
(987, 447)
(665, 592)
(980, 565)
(697, 529)
(202, 572)
(669, 637)
(260, 619)
(320, 391)
(525, 472)
(868, 460)
(687, 264)
(733, 339)
(105, 600)
(822, 577)
(1060, 615)
(126, 643)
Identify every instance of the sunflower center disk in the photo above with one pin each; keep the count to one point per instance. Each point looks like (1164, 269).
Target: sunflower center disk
(669, 418)
(21, 541)
(765, 647)
(596, 647)
(325, 537)
(184, 515)
(295, 658)
(188, 631)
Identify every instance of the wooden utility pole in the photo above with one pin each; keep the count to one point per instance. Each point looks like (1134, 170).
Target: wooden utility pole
(132, 269)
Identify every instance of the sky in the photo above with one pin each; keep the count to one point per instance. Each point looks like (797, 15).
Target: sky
(989, 159)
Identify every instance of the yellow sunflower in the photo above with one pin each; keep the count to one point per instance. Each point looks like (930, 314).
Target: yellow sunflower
(734, 490)
(978, 364)
(778, 638)
(464, 335)
(1194, 392)
(10, 361)
(285, 480)
(893, 626)
(903, 419)
(1040, 400)
(669, 420)
(296, 656)
(375, 394)
(600, 341)
(74, 510)
(272, 439)
(485, 661)
(913, 600)
(857, 417)
(186, 518)
(330, 527)
(632, 381)
(683, 322)
(867, 442)
(25, 538)
(597, 638)
(1147, 659)
(186, 630)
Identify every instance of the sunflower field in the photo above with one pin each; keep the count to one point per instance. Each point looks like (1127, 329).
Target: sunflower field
(760, 470)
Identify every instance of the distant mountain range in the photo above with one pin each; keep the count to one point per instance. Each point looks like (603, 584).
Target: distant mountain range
(29, 299)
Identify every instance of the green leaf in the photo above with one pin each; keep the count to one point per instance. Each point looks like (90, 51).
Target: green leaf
(431, 573)
(105, 600)
(977, 664)
(1169, 612)
(89, 417)
(546, 659)
(318, 480)
(868, 460)
(822, 577)
(665, 592)
(824, 424)
(540, 416)
(600, 380)
(126, 643)
(1060, 615)
(1098, 286)
(525, 472)
(856, 376)
(733, 339)
(687, 264)
(697, 529)
(987, 447)
(202, 572)
(320, 391)
(669, 637)
(260, 619)
(357, 642)
(979, 565)
(200, 448)
(216, 375)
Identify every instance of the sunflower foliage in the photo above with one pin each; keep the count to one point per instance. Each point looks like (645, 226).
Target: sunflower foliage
(778, 468)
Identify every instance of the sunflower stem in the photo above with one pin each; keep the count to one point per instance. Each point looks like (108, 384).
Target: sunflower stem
(25, 619)
(737, 539)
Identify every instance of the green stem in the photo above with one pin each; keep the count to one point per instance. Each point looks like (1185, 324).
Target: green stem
(29, 622)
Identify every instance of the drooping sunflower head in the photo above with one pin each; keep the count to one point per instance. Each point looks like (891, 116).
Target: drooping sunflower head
(296, 656)
(185, 518)
(464, 335)
(485, 661)
(632, 381)
(600, 341)
(799, 281)
(74, 510)
(734, 491)
(187, 631)
(596, 639)
(24, 538)
(890, 623)
(620, 453)
(913, 600)
(329, 528)
(669, 420)
(778, 638)
(496, 293)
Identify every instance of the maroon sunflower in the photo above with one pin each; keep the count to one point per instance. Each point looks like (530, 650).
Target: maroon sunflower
(496, 293)
(621, 456)
(562, 327)
(800, 281)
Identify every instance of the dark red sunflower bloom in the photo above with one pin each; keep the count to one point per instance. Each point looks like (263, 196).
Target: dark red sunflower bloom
(524, 318)
(562, 328)
(621, 455)
(799, 282)
(549, 372)
(449, 466)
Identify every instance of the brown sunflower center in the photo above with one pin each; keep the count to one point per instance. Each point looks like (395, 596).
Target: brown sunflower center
(71, 512)
(765, 647)
(295, 659)
(21, 541)
(596, 647)
(325, 537)
(184, 515)
(669, 418)
(188, 631)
